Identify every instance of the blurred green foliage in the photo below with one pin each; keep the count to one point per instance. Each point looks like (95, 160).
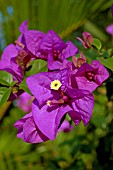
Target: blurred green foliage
(63, 16)
(89, 147)
(82, 148)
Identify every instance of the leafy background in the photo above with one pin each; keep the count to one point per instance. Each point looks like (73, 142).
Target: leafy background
(89, 147)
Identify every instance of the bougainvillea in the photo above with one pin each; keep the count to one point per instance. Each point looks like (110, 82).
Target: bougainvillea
(65, 89)
(24, 102)
(109, 29)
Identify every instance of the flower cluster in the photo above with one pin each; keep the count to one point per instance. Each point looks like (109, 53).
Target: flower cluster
(66, 88)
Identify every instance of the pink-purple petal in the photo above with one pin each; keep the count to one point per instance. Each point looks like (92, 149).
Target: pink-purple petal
(24, 102)
(28, 131)
(9, 53)
(39, 84)
(52, 41)
(82, 76)
(33, 40)
(109, 29)
(83, 43)
(8, 62)
(48, 118)
(82, 109)
(45, 120)
(83, 83)
(69, 51)
(31, 133)
(66, 127)
(101, 74)
(53, 64)
(19, 125)
(24, 26)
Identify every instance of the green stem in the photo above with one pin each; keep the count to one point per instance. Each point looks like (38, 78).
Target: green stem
(4, 109)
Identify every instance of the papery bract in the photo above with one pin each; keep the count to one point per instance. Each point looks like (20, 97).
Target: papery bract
(49, 110)
(22, 44)
(109, 29)
(48, 46)
(23, 27)
(89, 77)
(8, 63)
(79, 61)
(31, 39)
(66, 127)
(87, 39)
(28, 131)
(24, 102)
(56, 93)
(55, 50)
(28, 43)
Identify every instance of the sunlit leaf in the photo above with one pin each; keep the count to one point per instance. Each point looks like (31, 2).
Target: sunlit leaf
(5, 78)
(24, 86)
(107, 62)
(97, 43)
(4, 94)
(36, 66)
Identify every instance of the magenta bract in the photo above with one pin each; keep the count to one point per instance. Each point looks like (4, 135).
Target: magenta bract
(56, 50)
(87, 39)
(24, 102)
(28, 131)
(65, 89)
(66, 127)
(51, 105)
(89, 77)
(109, 29)
(8, 62)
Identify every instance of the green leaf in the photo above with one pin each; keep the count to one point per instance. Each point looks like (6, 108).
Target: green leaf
(4, 94)
(24, 86)
(5, 78)
(107, 62)
(12, 84)
(37, 66)
(97, 43)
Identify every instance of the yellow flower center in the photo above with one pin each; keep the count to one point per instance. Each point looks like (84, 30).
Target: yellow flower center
(48, 103)
(55, 85)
